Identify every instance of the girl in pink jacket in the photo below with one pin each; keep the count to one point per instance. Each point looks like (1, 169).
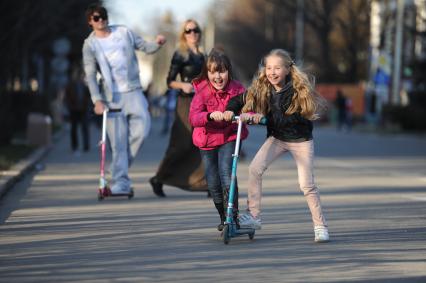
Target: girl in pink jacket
(214, 87)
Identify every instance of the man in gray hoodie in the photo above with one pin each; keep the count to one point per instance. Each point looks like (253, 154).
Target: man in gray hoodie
(110, 52)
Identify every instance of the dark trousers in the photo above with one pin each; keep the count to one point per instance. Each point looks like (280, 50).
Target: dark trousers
(218, 168)
(79, 119)
(182, 166)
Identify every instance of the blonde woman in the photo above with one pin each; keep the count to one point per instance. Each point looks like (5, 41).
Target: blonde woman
(182, 166)
(285, 95)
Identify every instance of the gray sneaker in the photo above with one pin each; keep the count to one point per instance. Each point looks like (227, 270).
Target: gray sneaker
(248, 221)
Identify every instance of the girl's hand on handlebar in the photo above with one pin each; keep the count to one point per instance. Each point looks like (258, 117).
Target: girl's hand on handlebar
(216, 115)
(245, 117)
(256, 118)
(250, 118)
(228, 115)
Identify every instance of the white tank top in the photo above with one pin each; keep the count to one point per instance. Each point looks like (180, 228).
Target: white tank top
(114, 49)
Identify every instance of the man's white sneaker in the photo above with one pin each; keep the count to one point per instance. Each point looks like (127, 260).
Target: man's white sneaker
(119, 191)
(321, 234)
(248, 221)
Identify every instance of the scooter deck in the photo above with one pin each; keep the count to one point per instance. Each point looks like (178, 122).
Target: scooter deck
(106, 192)
(230, 231)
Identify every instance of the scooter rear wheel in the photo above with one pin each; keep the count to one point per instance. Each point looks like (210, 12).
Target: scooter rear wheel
(226, 234)
(130, 196)
(100, 195)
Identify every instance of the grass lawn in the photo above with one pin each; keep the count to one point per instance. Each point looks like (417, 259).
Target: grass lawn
(11, 154)
(17, 150)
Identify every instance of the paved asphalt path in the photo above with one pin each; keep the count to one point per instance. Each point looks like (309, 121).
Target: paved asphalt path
(373, 189)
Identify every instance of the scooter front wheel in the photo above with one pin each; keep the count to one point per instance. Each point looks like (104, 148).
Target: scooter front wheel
(225, 233)
(251, 235)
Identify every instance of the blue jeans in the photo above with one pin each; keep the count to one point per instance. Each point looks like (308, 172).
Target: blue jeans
(126, 132)
(218, 168)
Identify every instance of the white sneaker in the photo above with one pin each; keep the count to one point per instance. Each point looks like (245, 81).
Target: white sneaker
(248, 221)
(321, 234)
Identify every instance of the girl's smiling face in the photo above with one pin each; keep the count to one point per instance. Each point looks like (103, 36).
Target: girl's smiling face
(276, 71)
(218, 77)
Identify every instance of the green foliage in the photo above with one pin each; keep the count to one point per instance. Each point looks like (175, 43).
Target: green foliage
(30, 27)
(6, 119)
(335, 37)
(10, 154)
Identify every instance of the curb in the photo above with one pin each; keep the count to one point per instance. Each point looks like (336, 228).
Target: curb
(16, 172)
(11, 176)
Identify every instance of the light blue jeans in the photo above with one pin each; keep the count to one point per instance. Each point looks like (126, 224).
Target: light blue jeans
(126, 132)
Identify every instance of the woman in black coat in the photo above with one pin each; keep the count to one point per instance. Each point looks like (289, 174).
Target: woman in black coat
(181, 166)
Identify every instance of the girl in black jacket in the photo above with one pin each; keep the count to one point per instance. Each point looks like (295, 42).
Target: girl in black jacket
(285, 95)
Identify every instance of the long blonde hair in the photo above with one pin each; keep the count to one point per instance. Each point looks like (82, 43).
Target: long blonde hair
(183, 47)
(305, 100)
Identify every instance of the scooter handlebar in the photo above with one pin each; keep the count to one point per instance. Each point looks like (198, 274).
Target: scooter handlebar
(262, 121)
(106, 110)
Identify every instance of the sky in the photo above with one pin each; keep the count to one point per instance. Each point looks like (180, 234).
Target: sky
(141, 13)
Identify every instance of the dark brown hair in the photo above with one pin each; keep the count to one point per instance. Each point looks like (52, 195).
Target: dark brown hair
(217, 61)
(96, 7)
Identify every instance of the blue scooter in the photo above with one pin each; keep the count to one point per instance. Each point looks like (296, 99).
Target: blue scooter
(230, 229)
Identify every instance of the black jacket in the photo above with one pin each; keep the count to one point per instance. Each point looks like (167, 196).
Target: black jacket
(187, 69)
(289, 128)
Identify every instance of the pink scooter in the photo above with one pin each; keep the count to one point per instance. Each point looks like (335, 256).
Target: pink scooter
(104, 190)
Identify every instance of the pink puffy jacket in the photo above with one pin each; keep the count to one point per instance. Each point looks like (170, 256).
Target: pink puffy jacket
(207, 134)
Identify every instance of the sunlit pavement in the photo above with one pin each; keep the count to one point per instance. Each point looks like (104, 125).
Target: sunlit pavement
(373, 189)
